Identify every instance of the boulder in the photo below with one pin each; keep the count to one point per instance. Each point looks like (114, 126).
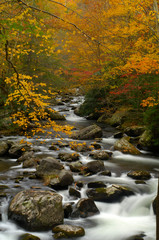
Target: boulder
(105, 173)
(69, 157)
(28, 236)
(115, 193)
(17, 149)
(139, 175)
(134, 131)
(60, 179)
(36, 210)
(68, 231)
(118, 117)
(85, 207)
(80, 147)
(3, 148)
(54, 115)
(95, 166)
(146, 139)
(74, 192)
(67, 210)
(125, 146)
(99, 155)
(76, 166)
(47, 167)
(96, 145)
(90, 132)
(28, 159)
(97, 184)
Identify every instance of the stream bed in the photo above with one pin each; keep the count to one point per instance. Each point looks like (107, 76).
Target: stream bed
(116, 221)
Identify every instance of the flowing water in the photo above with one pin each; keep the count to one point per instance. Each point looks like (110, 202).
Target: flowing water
(133, 216)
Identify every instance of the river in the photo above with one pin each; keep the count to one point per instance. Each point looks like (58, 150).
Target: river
(133, 216)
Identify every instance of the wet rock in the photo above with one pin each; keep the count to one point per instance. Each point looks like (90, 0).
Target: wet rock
(86, 207)
(118, 135)
(54, 115)
(67, 210)
(28, 236)
(74, 192)
(134, 131)
(68, 231)
(105, 173)
(53, 147)
(137, 237)
(97, 184)
(80, 147)
(146, 140)
(124, 146)
(119, 117)
(87, 133)
(3, 148)
(47, 167)
(115, 193)
(69, 157)
(96, 145)
(17, 149)
(139, 175)
(99, 155)
(36, 210)
(95, 166)
(154, 205)
(76, 166)
(61, 179)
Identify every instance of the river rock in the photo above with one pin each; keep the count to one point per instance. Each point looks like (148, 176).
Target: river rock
(99, 155)
(68, 231)
(61, 179)
(97, 184)
(95, 166)
(17, 149)
(76, 166)
(80, 147)
(146, 139)
(96, 145)
(47, 167)
(67, 210)
(85, 207)
(134, 131)
(115, 193)
(36, 210)
(69, 157)
(90, 132)
(28, 159)
(118, 117)
(125, 146)
(28, 236)
(54, 115)
(139, 175)
(74, 192)
(3, 148)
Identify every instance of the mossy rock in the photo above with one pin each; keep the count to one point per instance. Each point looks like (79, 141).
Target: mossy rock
(28, 236)
(68, 231)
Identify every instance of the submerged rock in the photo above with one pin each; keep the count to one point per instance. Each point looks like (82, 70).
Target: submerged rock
(36, 210)
(68, 231)
(125, 146)
(87, 133)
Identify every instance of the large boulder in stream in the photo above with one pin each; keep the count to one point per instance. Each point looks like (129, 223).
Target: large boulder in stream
(90, 132)
(95, 166)
(125, 146)
(36, 210)
(54, 174)
(69, 157)
(115, 193)
(100, 155)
